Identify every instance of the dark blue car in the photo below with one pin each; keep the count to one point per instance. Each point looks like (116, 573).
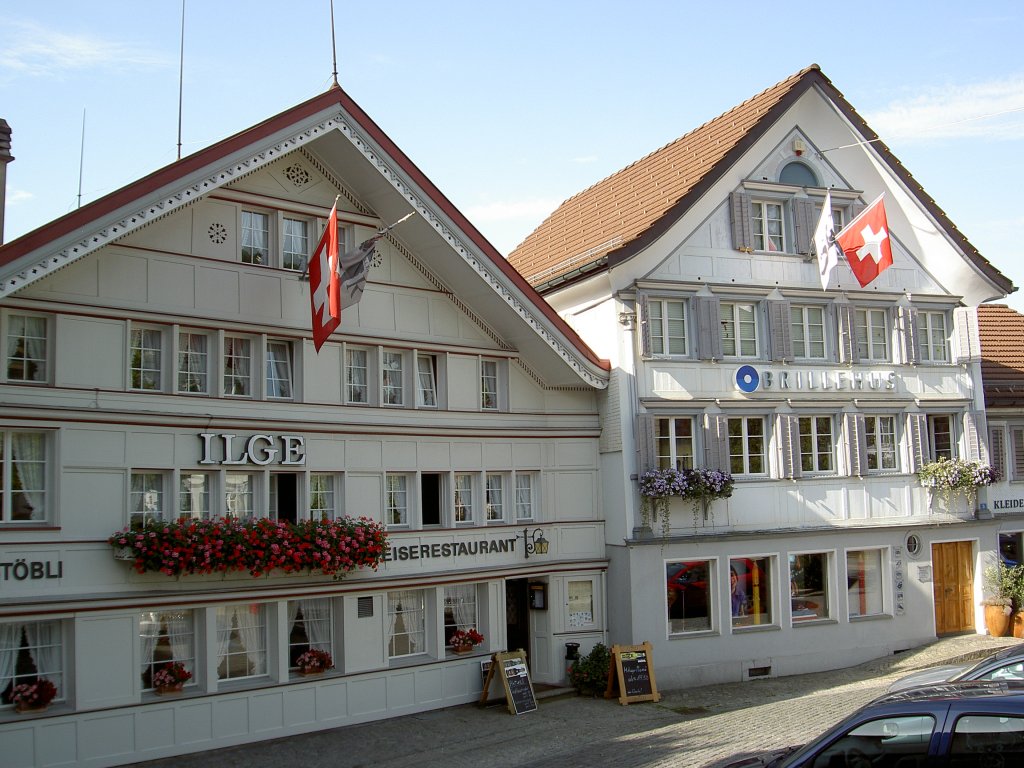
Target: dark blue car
(954, 725)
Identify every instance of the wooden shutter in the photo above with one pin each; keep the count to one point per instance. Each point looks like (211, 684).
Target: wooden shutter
(965, 325)
(856, 444)
(997, 447)
(856, 209)
(648, 455)
(1017, 468)
(709, 327)
(779, 336)
(716, 442)
(644, 324)
(847, 342)
(742, 231)
(917, 427)
(908, 334)
(803, 224)
(788, 432)
(974, 428)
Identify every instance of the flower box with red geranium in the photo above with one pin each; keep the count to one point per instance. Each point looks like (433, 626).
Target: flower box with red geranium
(314, 661)
(171, 677)
(464, 640)
(33, 697)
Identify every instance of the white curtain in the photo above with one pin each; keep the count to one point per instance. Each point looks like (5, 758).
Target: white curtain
(428, 392)
(180, 634)
(10, 642)
(44, 639)
(35, 341)
(462, 599)
(279, 377)
(224, 618)
(394, 606)
(151, 625)
(250, 626)
(317, 616)
(29, 465)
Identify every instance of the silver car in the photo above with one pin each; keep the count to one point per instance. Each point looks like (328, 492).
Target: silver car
(1004, 664)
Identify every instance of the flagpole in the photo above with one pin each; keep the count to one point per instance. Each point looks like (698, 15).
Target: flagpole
(181, 74)
(334, 52)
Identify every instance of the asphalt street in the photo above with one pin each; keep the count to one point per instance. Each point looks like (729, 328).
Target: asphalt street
(688, 728)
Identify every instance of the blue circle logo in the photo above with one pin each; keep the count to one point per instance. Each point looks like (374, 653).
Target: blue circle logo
(747, 378)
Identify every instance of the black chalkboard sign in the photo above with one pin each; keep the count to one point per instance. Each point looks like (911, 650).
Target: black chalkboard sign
(632, 674)
(515, 679)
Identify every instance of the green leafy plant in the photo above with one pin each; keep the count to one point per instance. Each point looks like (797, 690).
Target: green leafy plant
(1004, 585)
(948, 477)
(699, 486)
(589, 674)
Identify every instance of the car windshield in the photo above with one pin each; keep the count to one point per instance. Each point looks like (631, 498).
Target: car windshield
(976, 671)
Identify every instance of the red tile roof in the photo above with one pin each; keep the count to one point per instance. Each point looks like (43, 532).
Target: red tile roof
(617, 217)
(1001, 330)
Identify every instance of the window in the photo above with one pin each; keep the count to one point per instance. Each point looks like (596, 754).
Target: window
(30, 650)
(808, 586)
(284, 497)
(463, 498)
(807, 331)
(27, 348)
(241, 641)
(279, 369)
(881, 442)
(940, 437)
(739, 330)
(397, 500)
(495, 498)
(769, 226)
(525, 502)
(1010, 548)
(237, 366)
(391, 373)
(864, 582)
(987, 739)
(750, 594)
(426, 381)
(356, 389)
(459, 609)
(667, 327)
(933, 337)
(580, 599)
(321, 496)
(674, 440)
(147, 497)
(309, 626)
(433, 498)
(23, 482)
(888, 741)
(295, 246)
(816, 444)
(239, 495)
(146, 354)
(689, 596)
(407, 628)
(489, 385)
(166, 637)
(193, 362)
(871, 333)
(799, 175)
(746, 445)
(255, 238)
(194, 495)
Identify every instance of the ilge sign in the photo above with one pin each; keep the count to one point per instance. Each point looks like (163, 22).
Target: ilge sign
(287, 450)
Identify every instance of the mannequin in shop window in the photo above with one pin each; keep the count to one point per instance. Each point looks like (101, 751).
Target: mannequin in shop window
(737, 595)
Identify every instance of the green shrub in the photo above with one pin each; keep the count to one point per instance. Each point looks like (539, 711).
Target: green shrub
(589, 675)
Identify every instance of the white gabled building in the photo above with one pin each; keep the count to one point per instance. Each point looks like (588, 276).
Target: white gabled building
(693, 271)
(159, 365)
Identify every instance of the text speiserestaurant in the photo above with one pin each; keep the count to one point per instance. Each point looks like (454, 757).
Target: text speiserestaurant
(450, 549)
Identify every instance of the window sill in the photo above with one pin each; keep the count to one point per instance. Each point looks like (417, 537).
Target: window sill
(753, 628)
(870, 617)
(697, 633)
(814, 622)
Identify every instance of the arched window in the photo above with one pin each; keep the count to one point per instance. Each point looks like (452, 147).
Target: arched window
(799, 175)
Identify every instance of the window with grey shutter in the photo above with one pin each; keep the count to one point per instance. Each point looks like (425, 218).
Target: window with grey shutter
(804, 222)
(997, 446)
(778, 331)
(917, 426)
(1018, 453)
(847, 342)
(856, 209)
(974, 428)
(709, 337)
(716, 442)
(644, 324)
(856, 443)
(742, 231)
(645, 442)
(908, 333)
(965, 324)
(788, 426)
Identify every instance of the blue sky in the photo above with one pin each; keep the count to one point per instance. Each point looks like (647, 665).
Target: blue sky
(510, 108)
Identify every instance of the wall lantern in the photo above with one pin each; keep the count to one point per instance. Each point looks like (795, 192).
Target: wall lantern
(534, 543)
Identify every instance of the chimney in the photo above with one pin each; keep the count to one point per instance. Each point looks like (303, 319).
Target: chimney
(5, 158)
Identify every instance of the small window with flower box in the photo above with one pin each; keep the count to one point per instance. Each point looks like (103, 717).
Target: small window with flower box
(168, 641)
(148, 497)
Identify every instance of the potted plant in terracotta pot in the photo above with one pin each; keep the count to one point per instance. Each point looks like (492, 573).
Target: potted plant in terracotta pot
(170, 678)
(315, 661)
(1003, 592)
(33, 697)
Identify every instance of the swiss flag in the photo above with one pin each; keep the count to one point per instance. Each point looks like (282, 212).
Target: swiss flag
(325, 283)
(866, 243)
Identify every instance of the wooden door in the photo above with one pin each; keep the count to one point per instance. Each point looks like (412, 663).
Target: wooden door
(953, 586)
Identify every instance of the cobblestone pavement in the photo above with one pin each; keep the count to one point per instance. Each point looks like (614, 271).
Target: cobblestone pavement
(686, 729)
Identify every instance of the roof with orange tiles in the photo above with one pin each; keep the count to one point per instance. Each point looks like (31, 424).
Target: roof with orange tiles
(619, 216)
(1001, 330)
